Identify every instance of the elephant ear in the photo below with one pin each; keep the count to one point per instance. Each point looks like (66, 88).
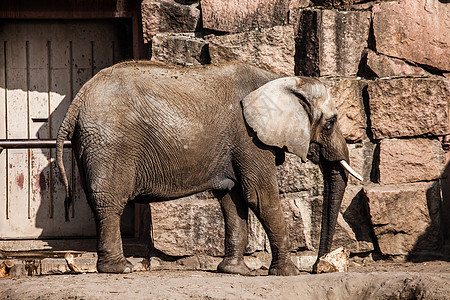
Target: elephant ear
(281, 111)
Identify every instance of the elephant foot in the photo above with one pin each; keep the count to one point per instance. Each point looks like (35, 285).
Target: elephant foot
(233, 266)
(119, 267)
(285, 269)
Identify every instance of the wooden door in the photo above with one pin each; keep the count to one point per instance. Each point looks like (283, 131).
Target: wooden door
(43, 63)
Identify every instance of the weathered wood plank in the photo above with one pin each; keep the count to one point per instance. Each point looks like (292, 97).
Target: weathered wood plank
(39, 186)
(61, 86)
(38, 88)
(2, 91)
(20, 223)
(38, 94)
(3, 155)
(103, 52)
(3, 193)
(83, 69)
(60, 98)
(81, 61)
(16, 73)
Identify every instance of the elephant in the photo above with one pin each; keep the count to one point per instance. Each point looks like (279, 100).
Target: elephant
(145, 131)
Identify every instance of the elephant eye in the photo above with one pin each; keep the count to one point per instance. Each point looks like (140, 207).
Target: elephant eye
(329, 124)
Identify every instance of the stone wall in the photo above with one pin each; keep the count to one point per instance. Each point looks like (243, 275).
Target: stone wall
(385, 63)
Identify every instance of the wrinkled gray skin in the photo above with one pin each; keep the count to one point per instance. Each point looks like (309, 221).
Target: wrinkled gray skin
(153, 132)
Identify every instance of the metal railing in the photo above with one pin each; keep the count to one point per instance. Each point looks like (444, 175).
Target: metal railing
(51, 143)
(28, 143)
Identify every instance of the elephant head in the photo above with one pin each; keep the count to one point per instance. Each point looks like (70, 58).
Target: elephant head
(298, 115)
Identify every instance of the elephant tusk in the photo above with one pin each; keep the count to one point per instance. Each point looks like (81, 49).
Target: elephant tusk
(345, 165)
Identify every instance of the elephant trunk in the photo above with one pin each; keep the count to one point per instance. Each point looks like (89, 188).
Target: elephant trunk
(335, 182)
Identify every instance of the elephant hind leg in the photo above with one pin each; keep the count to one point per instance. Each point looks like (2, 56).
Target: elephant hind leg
(109, 240)
(235, 213)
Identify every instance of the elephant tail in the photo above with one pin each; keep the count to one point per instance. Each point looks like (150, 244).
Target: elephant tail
(66, 131)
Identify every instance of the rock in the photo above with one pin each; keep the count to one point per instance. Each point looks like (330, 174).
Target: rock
(71, 263)
(194, 225)
(199, 262)
(5, 270)
(361, 157)
(405, 217)
(9, 264)
(180, 49)
(330, 42)
(414, 30)
(294, 176)
(154, 263)
(238, 16)
(254, 263)
(268, 48)
(257, 239)
(302, 214)
(167, 16)
(295, 8)
(335, 261)
(408, 107)
(344, 236)
(188, 226)
(347, 93)
(356, 230)
(304, 261)
(379, 65)
(403, 161)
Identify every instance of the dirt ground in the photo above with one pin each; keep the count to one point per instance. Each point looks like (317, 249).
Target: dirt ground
(376, 280)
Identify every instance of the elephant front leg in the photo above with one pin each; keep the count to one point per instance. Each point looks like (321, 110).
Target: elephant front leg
(267, 207)
(109, 241)
(235, 214)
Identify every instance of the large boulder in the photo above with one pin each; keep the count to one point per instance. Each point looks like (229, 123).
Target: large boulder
(405, 217)
(416, 30)
(379, 65)
(408, 107)
(188, 226)
(243, 15)
(295, 176)
(168, 16)
(268, 48)
(348, 94)
(354, 230)
(410, 160)
(180, 49)
(330, 42)
(302, 213)
(361, 159)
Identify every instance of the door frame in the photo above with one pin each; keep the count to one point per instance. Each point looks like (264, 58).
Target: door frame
(82, 10)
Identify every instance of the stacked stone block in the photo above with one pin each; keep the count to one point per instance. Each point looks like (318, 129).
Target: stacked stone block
(385, 63)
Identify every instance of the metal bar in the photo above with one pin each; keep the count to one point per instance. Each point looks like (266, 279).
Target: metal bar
(25, 144)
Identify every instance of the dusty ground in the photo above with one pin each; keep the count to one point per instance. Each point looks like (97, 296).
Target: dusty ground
(376, 280)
